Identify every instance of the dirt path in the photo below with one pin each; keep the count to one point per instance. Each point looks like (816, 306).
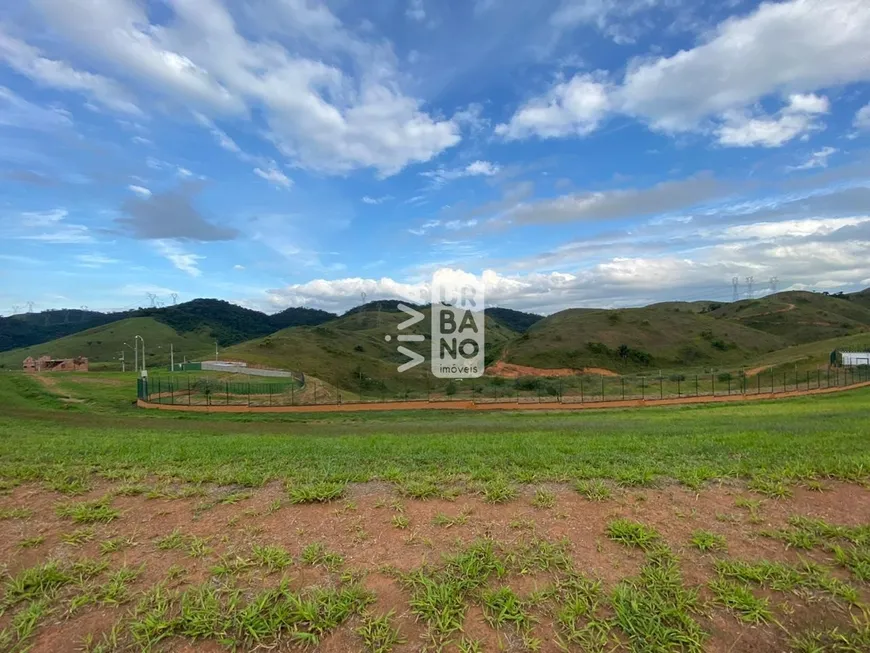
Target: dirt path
(501, 404)
(51, 384)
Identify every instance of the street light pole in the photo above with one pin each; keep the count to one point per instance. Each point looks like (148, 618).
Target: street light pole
(135, 354)
(171, 358)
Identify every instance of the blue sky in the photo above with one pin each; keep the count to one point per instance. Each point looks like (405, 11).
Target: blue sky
(283, 153)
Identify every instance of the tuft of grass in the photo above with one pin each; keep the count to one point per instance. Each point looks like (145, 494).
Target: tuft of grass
(835, 640)
(23, 625)
(114, 591)
(195, 547)
(544, 499)
(273, 557)
(446, 521)
(89, 512)
(502, 606)
(401, 522)
(783, 577)
(175, 540)
(855, 559)
(131, 490)
(793, 538)
(739, 598)
(632, 533)
(232, 565)
(317, 554)
(466, 645)
(31, 542)
(594, 490)
(234, 497)
(539, 555)
(707, 541)
(419, 489)
(654, 610)
(580, 599)
(498, 490)
(70, 485)
(378, 633)
(770, 487)
(78, 536)
(36, 583)
(439, 596)
(322, 492)
(15, 513)
(114, 544)
(752, 505)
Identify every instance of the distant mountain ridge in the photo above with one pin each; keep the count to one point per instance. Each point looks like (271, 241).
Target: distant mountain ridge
(227, 323)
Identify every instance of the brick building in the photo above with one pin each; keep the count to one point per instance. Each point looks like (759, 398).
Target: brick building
(49, 364)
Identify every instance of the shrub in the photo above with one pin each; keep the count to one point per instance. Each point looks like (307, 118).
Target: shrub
(358, 348)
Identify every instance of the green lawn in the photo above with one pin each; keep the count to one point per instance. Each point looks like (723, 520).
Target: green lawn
(41, 437)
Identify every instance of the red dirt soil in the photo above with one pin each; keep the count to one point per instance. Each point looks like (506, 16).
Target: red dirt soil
(512, 371)
(361, 529)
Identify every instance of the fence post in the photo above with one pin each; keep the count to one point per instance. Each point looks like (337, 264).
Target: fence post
(808, 380)
(172, 391)
(661, 387)
(622, 378)
(249, 394)
(581, 389)
(642, 389)
(315, 394)
(270, 394)
(729, 385)
(784, 387)
(602, 389)
(227, 391)
(679, 391)
(188, 390)
(697, 392)
(712, 385)
(159, 390)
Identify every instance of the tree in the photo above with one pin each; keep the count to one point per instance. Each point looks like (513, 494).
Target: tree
(623, 351)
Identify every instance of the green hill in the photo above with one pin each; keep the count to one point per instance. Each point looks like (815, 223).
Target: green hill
(637, 338)
(799, 317)
(102, 345)
(351, 352)
(518, 321)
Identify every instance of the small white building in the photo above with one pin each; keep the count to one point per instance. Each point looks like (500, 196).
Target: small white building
(855, 358)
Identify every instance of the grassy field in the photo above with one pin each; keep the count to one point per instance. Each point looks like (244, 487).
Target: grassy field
(678, 529)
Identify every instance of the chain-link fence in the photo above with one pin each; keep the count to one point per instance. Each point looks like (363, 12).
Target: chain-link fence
(192, 391)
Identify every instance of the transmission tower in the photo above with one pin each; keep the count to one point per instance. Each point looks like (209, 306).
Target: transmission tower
(30, 307)
(15, 308)
(736, 283)
(773, 282)
(749, 281)
(174, 298)
(152, 297)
